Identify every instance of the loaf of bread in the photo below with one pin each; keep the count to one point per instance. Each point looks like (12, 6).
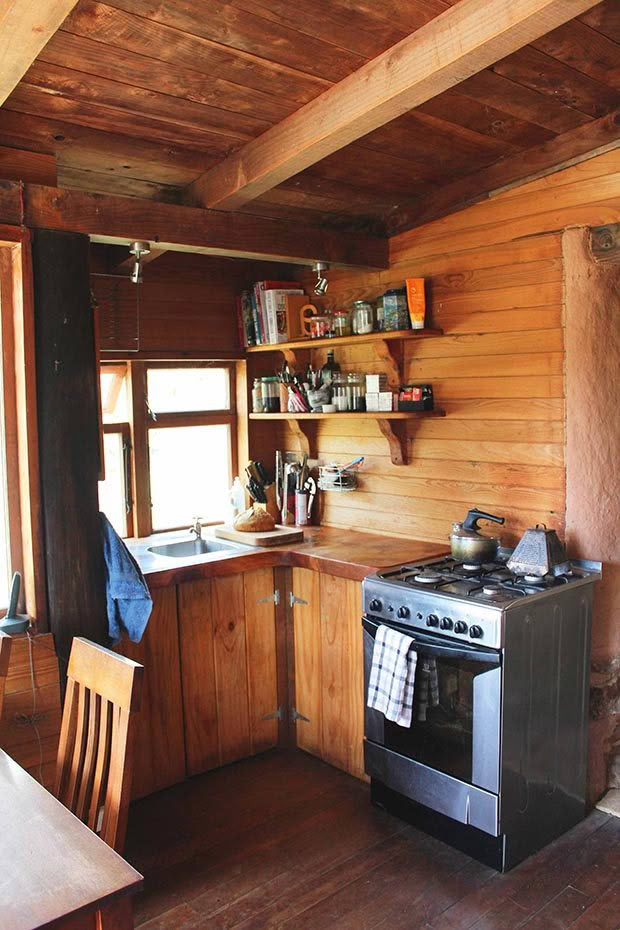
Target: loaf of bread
(254, 521)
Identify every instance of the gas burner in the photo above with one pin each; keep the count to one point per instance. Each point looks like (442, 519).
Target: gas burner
(491, 590)
(470, 568)
(427, 577)
(534, 579)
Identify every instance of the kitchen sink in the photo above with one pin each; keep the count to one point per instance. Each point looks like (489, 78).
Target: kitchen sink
(189, 547)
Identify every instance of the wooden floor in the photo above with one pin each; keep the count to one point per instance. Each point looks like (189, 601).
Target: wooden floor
(283, 840)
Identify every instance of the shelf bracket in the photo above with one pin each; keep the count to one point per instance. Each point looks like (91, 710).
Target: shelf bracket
(390, 352)
(395, 431)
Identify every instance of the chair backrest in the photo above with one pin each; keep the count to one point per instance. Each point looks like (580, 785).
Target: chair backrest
(5, 655)
(94, 765)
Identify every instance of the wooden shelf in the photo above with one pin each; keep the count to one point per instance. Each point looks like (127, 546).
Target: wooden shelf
(391, 424)
(347, 340)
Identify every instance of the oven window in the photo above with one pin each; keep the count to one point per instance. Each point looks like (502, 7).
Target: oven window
(441, 733)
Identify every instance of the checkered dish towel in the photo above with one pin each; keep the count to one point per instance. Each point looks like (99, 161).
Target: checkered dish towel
(392, 676)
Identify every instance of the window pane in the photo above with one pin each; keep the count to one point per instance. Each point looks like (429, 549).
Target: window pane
(190, 474)
(112, 490)
(180, 390)
(114, 395)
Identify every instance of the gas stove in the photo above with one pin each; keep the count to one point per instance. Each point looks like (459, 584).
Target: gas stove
(465, 602)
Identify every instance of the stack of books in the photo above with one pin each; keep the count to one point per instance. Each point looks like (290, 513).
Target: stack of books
(261, 312)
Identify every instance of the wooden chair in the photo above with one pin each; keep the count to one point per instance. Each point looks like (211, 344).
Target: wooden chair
(5, 655)
(94, 765)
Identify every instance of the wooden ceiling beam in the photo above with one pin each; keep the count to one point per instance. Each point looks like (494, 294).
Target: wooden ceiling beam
(121, 220)
(569, 148)
(458, 43)
(25, 28)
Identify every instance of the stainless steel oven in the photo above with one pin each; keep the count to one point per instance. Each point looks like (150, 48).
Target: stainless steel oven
(449, 759)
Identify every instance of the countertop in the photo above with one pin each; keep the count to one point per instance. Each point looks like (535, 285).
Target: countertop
(346, 553)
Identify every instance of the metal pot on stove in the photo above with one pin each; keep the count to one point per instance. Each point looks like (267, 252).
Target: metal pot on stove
(471, 546)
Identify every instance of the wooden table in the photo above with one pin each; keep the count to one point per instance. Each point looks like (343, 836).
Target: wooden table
(54, 870)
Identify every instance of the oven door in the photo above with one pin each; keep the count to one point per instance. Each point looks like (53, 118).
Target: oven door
(455, 728)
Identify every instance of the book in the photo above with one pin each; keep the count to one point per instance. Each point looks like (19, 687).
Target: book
(268, 336)
(275, 313)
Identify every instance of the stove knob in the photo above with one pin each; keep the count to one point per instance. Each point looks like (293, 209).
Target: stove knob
(476, 632)
(402, 612)
(432, 620)
(375, 605)
(446, 623)
(460, 626)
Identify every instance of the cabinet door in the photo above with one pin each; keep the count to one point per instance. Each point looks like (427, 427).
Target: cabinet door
(260, 630)
(342, 674)
(231, 668)
(308, 675)
(159, 756)
(198, 676)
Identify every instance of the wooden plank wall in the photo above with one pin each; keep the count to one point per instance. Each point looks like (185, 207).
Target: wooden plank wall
(496, 281)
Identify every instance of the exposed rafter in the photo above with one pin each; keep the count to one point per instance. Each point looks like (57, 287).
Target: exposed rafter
(455, 45)
(121, 220)
(25, 28)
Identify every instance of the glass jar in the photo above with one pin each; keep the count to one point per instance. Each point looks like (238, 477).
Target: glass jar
(357, 392)
(340, 394)
(395, 312)
(320, 326)
(257, 396)
(362, 318)
(270, 388)
(342, 323)
(380, 324)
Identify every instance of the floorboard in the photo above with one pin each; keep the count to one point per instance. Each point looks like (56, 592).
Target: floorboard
(283, 840)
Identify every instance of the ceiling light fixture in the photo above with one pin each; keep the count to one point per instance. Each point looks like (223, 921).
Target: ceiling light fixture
(138, 249)
(321, 285)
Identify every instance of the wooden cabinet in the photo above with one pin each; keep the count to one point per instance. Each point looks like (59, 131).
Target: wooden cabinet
(228, 659)
(329, 672)
(159, 756)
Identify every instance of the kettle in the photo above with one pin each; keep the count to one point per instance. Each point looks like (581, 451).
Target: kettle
(468, 543)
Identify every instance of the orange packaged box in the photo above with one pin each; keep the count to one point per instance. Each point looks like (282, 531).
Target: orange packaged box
(416, 302)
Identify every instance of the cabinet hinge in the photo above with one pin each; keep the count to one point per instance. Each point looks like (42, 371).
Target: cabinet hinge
(271, 599)
(293, 599)
(295, 715)
(276, 715)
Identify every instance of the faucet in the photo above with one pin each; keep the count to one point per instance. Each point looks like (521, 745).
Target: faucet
(196, 528)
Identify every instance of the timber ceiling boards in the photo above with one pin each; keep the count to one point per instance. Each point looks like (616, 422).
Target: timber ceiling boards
(141, 97)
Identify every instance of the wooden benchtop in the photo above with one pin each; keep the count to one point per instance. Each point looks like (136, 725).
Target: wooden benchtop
(346, 553)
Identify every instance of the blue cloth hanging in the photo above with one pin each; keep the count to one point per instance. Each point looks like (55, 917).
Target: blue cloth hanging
(129, 601)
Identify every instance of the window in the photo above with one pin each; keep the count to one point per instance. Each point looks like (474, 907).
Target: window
(190, 443)
(169, 436)
(115, 491)
(20, 531)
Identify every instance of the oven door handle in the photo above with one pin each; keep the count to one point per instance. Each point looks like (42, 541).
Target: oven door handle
(432, 648)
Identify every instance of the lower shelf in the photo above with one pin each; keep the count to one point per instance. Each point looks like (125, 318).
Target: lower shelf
(394, 432)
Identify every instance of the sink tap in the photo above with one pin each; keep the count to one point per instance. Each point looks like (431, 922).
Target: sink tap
(196, 528)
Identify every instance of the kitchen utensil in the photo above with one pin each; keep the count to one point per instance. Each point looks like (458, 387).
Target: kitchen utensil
(301, 508)
(468, 544)
(310, 487)
(279, 479)
(539, 552)
(262, 474)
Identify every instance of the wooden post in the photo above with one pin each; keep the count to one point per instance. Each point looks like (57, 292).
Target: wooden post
(68, 439)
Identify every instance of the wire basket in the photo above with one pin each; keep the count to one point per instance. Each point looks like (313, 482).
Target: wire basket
(337, 478)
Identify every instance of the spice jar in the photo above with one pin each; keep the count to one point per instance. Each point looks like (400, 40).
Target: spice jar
(340, 394)
(362, 318)
(320, 326)
(270, 388)
(357, 392)
(342, 323)
(257, 396)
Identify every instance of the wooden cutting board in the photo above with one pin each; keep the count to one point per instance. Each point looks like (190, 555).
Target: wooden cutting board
(277, 537)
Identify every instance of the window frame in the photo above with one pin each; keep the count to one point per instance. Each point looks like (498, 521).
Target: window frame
(142, 420)
(20, 421)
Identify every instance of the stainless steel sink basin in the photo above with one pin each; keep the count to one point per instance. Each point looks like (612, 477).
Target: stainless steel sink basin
(181, 550)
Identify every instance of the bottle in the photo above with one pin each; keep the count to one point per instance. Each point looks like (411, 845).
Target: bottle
(257, 396)
(329, 369)
(237, 497)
